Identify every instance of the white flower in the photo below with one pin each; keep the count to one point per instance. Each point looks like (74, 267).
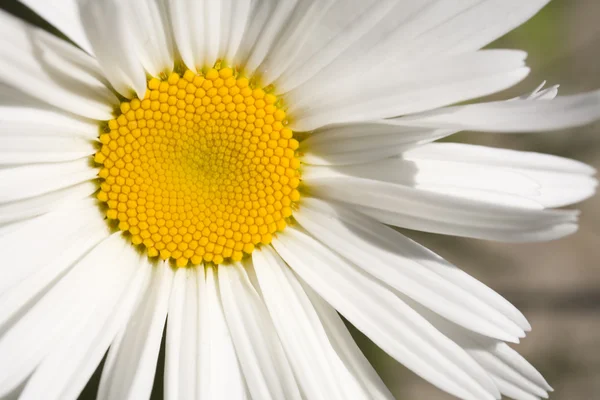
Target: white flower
(262, 149)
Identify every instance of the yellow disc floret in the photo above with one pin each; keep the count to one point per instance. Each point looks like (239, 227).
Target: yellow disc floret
(201, 169)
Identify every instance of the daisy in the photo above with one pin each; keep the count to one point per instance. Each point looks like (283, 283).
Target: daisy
(230, 172)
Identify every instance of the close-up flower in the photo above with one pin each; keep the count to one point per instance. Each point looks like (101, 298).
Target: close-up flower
(231, 175)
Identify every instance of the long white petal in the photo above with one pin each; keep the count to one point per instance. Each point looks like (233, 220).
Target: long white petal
(131, 361)
(514, 116)
(514, 376)
(34, 206)
(347, 349)
(262, 360)
(239, 13)
(304, 20)
(352, 34)
(304, 340)
(151, 35)
(367, 243)
(559, 181)
(182, 335)
(384, 317)
(414, 89)
(23, 294)
(32, 180)
(364, 142)
(24, 115)
(219, 375)
(29, 150)
(59, 377)
(52, 70)
(42, 239)
(64, 15)
(109, 33)
(447, 214)
(66, 308)
(273, 27)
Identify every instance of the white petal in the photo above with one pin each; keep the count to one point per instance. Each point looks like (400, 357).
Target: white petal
(27, 150)
(16, 299)
(187, 21)
(23, 116)
(559, 181)
(514, 116)
(42, 239)
(258, 17)
(182, 333)
(110, 34)
(239, 12)
(384, 318)
(363, 142)
(514, 376)
(262, 360)
(150, 33)
(27, 181)
(131, 361)
(64, 15)
(347, 349)
(212, 29)
(52, 70)
(406, 76)
(303, 21)
(447, 214)
(34, 206)
(315, 363)
(275, 24)
(65, 310)
(219, 373)
(386, 256)
(353, 34)
(347, 31)
(473, 154)
(200, 358)
(59, 377)
(415, 89)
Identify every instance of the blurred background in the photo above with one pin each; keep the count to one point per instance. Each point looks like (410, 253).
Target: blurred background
(556, 284)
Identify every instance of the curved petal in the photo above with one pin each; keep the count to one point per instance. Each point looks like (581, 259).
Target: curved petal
(200, 358)
(530, 115)
(59, 377)
(30, 150)
(64, 15)
(347, 349)
(358, 143)
(558, 181)
(52, 70)
(262, 360)
(151, 35)
(110, 35)
(128, 372)
(390, 257)
(518, 220)
(23, 209)
(93, 282)
(26, 181)
(25, 292)
(413, 88)
(393, 325)
(41, 239)
(315, 363)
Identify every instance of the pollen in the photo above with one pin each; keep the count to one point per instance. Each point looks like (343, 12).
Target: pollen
(202, 169)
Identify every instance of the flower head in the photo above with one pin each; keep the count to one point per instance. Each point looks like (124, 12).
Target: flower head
(232, 170)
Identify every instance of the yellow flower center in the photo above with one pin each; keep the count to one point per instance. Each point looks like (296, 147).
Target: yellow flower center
(201, 169)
